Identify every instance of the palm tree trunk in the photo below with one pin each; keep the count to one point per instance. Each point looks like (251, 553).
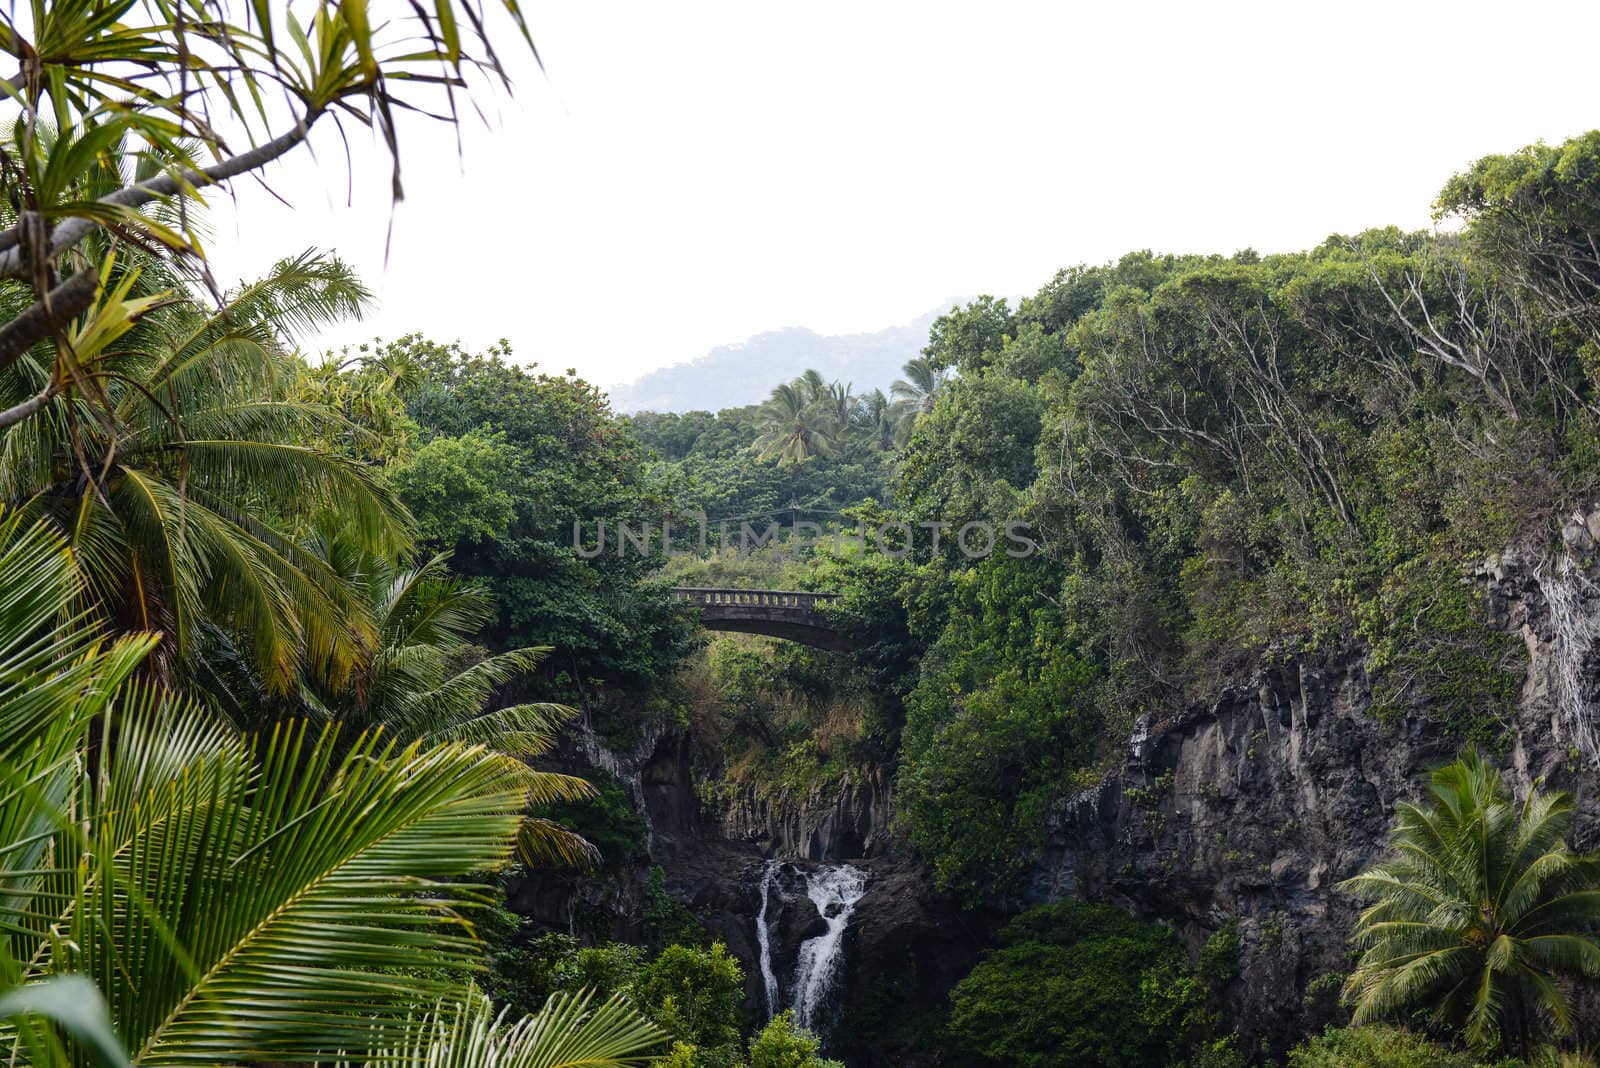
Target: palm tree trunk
(1519, 1013)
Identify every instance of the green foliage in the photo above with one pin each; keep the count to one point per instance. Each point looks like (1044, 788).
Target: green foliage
(606, 819)
(1481, 910)
(91, 163)
(1376, 1046)
(1003, 712)
(462, 490)
(965, 338)
(1219, 957)
(1452, 669)
(973, 454)
(694, 994)
(782, 1045)
(773, 716)
(668, 921)
(1225, 459)
(179, 500)
(204, 487)
(1532, 213)
(242, 899)
(509, 461)
(1079, 984)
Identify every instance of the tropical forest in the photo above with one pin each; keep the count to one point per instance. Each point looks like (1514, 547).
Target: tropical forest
(1195, 662)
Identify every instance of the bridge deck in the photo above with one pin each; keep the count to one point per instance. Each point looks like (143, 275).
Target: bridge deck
(788, 614)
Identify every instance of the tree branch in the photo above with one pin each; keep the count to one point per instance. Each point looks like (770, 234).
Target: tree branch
(75, 229)
(41, 318)
(17, 413)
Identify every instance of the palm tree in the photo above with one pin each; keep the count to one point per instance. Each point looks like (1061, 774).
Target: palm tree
(194, 113)
(1481, 913)
(791, 427)
(812, 386)
(879, 420)
(183, 481)
(235, 899)
(427, 681)
(918, 389)
(840, 405)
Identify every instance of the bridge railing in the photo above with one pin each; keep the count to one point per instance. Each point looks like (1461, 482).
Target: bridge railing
(798, 599)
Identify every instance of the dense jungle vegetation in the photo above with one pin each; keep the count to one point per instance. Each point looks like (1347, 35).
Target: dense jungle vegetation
(288, 643)
(1224, 460)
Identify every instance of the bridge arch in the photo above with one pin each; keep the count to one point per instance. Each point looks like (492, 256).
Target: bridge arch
(789, 614)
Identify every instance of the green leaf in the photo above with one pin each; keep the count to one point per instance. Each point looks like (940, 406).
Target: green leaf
(74, 1004)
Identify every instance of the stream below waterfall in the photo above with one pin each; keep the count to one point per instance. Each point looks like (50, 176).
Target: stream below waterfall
(832, 890)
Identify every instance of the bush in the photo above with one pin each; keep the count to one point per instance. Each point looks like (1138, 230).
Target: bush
(694, 994)
(668, 921)
(1381, 1047)
(1219, 957)
(782, 1045)
(1079, 984)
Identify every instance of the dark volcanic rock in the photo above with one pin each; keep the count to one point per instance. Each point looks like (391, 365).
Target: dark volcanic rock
(1254, 808)
(835, 821)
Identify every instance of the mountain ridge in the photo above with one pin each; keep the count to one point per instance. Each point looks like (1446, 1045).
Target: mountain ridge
(744, 372)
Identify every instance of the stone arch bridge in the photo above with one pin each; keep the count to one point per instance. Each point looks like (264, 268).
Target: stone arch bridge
(788, 614)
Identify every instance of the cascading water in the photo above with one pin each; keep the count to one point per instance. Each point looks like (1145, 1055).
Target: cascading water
(835, 892)
(764, 938)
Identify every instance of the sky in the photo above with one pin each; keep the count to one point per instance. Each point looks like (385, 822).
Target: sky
(685, 175)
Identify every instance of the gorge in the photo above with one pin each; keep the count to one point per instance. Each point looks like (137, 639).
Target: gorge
(1240, 813)
(1266, 735)
(1291, 559)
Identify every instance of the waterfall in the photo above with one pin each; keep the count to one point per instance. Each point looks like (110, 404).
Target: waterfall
(835, 892)
(764, 939)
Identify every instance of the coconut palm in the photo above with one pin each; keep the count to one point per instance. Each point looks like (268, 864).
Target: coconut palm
(791, 427)
(234, 899)
(564, 1034)
(1482, 912)
(878, 419)
(812, 386)
(840, 405)
(183, 481)
(427, 681)
(918, 389)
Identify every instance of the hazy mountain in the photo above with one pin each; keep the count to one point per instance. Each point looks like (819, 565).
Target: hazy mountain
(730, 376)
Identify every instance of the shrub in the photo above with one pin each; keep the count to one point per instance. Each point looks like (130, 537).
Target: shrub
(1381, 1047)
(783, 1045)
(1079, 984)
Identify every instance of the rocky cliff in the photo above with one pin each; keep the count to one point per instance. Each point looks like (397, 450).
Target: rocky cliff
(1252, 808)
(843, 819)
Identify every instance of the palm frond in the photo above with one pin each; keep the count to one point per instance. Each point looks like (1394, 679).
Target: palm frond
(566, 1033)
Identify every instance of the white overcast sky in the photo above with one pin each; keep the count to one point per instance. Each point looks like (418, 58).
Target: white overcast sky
(687, 174)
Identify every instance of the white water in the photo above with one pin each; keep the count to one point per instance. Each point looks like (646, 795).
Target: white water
(835, 892)
(764, 939)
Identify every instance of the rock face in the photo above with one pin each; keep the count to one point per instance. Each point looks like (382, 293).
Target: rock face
(837, 821)
(1253, 808)
(1249, 811)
